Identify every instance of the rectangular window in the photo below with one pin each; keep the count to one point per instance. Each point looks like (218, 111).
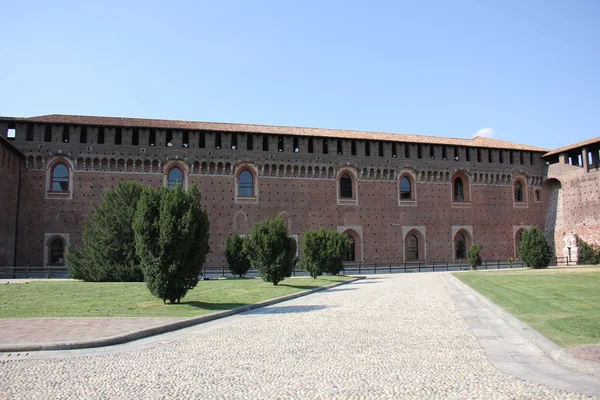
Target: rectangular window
(233, 141)
(443, 152)
(478, 154)
(468, 153)
(311, 148)
(394, 153)
(249, 144)
(531, 158)
(29, 133)
(118, 137)
(325, 147)
(406, 150)
(380, 149)
(48, 133)
(521, 158)
(265, 143)
(11, 131)
(490, 156)
(202, 140)
(367, 148)
(100, 135)
(455, 153)
(500, 156)
(280, 143)
(169, 141)
(135, 137)
(83, 135)
(66, 134)
(419, 151)
(340, 147)
(152, 138)
(353, 147)
(217, 140)
(511, 157)
(185, 141)
(432, 152)
(296, 146)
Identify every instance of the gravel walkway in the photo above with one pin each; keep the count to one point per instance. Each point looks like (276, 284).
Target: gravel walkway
(395, 336)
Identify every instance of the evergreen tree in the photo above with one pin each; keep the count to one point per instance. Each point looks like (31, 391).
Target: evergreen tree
(588, 254)
(108, 250)
(171, 237)
(474, 256)
(271, 250)
(236, 256)
(323, 251)
(534, 249)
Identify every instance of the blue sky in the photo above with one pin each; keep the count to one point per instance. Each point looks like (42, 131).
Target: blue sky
(529, 70)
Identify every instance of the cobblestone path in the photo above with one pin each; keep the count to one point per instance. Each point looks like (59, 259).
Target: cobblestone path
(398, 336)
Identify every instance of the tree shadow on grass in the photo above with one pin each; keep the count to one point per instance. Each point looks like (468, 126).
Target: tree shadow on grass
(213, 306)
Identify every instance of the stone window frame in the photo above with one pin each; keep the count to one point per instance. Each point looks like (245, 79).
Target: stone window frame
(48, 239)
(466, 181)
(50, 194)
(537, 195)
(353, 174)
(169, 165)
(253, 169)
(421, 234)
(412, 177)
(357, 234)
(467, 232)
(516, 229)
(523, 180)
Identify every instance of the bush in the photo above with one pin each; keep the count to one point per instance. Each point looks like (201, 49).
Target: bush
(271, 250)
(323, 251)
(108, 250)
(474, 256)
(588, 254)
(171, 237)
(236, 256)
(534, 249)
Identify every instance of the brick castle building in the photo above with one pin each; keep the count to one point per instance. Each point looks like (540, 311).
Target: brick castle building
(399, 197)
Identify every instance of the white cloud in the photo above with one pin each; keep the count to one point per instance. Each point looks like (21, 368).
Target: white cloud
(485, 132)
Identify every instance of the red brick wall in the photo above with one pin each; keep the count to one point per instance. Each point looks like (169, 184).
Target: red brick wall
(10, 167)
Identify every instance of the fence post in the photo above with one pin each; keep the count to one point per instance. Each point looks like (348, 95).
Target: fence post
(375, 268)
(223, 271)
(390, 265)
(419, 266)
(359, 267)
(404, 265)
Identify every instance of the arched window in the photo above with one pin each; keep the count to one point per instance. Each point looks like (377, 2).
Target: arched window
(60, 178)
(412, 248)
(461, 247)
(346, 187)
(518, 191)
(459, 190)
(538, 195)
(405, 189)
(246, 184)
(351, 254)
(175, 178)
(57, 251)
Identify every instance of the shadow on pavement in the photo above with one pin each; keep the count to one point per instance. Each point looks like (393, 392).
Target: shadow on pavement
(289, 309)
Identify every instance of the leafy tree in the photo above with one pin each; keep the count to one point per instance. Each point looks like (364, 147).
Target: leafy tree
(271, 250)
(323, 251)
(108, 250)
(171, 237)
(236, 256)
(534, 249)
(474, 256)
(588, 254)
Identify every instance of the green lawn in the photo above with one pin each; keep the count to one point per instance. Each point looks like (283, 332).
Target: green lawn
(89, 299)
(562, 304)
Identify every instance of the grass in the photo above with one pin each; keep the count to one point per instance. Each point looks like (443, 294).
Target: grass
(91, 299)
(561, 304)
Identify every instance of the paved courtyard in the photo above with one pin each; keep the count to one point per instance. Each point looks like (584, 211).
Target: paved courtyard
(398, 336)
